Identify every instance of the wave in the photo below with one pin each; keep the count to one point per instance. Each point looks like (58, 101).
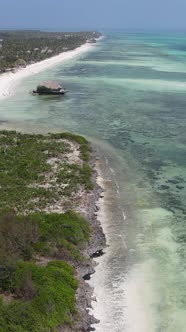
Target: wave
(132, 83)
(155, 64)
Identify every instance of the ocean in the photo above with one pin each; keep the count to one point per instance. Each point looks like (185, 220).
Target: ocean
(128, 97)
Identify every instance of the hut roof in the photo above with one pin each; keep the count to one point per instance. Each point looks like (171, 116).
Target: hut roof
(51, 85)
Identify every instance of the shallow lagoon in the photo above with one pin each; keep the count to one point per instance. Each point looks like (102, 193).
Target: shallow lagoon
(128, 96)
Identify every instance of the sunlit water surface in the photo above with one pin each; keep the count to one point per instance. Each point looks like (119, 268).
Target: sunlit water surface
(128, 96)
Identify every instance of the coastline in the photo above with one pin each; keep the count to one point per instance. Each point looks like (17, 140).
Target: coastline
(83, 202)
(8, 81)
(90, 206)
(95, 248)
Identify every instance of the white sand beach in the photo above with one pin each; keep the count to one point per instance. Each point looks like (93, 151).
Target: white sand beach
(8, 81)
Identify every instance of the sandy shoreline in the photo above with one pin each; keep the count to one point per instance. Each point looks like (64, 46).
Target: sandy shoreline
(8, 81)
(90, 207)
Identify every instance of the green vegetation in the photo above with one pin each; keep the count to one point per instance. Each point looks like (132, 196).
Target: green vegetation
(54, 235)
(37, 284)
(19, 48)
(44, 298)
(29, 181)
(84, 146)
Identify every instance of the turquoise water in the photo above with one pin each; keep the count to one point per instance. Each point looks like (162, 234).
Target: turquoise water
(128, 96)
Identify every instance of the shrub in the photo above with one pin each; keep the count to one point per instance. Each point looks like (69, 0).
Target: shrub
(51, 304)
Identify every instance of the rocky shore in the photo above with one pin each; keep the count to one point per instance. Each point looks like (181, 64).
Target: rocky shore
(51, 194)
(94, 248)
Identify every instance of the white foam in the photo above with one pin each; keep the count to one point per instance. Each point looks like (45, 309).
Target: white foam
(156, 64)
(140, 297)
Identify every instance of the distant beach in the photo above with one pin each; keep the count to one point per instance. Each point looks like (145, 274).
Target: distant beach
(8, 81)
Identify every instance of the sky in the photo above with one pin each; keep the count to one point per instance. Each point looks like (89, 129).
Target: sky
(81, 14)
